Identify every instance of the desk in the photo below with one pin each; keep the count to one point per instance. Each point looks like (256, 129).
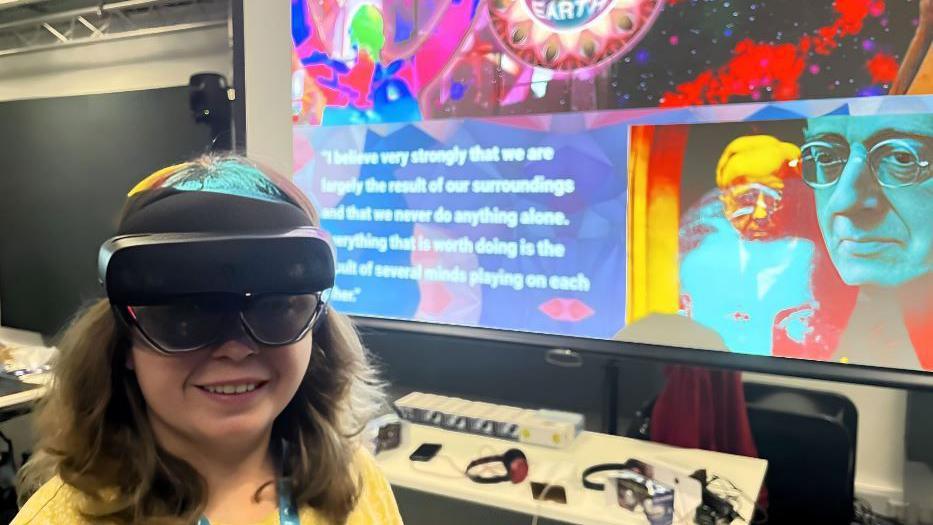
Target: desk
(24, 339)
(586, 507)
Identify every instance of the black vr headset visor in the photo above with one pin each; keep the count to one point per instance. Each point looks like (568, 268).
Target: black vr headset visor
(185, 290)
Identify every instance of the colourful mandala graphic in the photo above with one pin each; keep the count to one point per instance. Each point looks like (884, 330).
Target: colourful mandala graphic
(571, 34)
(566, 15)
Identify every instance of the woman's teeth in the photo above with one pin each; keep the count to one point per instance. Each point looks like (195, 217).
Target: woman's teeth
(230, 389)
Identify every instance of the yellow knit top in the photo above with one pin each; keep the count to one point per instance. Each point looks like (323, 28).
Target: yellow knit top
(57, 503)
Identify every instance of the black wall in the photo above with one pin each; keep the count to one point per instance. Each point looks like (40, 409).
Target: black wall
(66, 165)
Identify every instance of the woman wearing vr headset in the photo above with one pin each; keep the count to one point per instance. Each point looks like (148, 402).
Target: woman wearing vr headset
(212, 385)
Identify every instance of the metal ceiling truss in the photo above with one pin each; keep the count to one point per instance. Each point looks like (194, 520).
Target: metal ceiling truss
(110, 21)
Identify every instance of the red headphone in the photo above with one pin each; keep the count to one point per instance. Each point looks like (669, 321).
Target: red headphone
(516, 466)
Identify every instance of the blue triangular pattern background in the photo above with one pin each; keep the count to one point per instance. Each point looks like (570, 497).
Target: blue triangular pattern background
(841, 110)
(772, 112)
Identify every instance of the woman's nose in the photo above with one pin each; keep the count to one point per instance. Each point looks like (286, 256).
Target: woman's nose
(236, 345)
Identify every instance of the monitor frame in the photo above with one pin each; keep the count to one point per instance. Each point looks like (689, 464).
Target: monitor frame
(785, 366)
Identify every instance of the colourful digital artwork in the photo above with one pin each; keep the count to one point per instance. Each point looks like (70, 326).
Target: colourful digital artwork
(369, 61)
(801, 238)
(571, 167)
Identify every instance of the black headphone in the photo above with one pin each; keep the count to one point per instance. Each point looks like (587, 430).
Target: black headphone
(515, 462)
(603, 467)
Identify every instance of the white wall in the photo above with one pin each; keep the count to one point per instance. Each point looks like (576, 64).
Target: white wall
(120, 65)
(882, 412)
(267, 48)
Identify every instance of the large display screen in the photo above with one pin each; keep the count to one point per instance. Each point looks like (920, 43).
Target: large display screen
(569, 167)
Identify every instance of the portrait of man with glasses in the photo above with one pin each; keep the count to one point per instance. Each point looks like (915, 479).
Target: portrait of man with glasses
(747, 269)
(873, 191)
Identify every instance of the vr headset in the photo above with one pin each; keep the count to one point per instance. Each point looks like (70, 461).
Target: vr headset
(186, 291)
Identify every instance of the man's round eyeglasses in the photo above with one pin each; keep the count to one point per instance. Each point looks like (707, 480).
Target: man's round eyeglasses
(895, 163)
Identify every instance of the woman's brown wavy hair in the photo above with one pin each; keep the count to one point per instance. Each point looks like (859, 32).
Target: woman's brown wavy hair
(94, 433)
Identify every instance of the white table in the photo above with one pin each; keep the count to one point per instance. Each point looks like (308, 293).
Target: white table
(584, 506)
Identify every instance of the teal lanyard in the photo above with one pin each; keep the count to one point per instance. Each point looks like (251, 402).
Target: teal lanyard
(288, 515)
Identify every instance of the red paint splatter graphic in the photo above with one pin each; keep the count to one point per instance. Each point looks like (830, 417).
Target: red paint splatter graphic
(883, 68)
(757, 67)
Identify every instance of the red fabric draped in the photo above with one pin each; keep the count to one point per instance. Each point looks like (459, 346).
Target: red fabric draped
(705, 409)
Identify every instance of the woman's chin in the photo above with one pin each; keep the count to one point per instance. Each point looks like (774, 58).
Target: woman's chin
(223, 430)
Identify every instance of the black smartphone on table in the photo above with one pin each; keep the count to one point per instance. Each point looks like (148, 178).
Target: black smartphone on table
(425, 452)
